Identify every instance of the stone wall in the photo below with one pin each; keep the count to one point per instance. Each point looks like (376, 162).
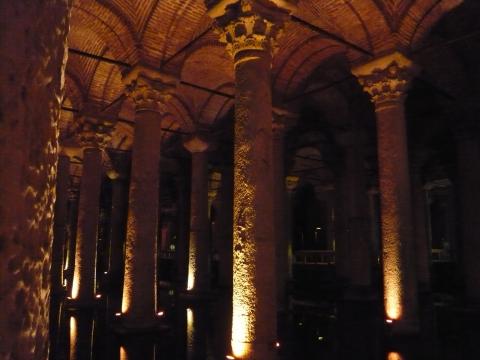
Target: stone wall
(32, 61)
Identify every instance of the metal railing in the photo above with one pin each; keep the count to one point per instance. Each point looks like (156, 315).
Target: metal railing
(314, 257)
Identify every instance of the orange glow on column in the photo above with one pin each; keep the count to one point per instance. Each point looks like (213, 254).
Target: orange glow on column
(123, 353)
(129, 263)
(392, 272)
(192, 261)
(76, 273)
(244, 292)
(73, 337)
(392, 355)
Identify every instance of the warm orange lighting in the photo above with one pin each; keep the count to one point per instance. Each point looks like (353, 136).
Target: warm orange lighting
(98, 296)
(230, 357)
(118, 314)
(190, 332)
(127, 293)
(393, 355)
(123, 353)
(73, 337)
(389, 321)
(160, 313)
(192, 260)
(277, 344)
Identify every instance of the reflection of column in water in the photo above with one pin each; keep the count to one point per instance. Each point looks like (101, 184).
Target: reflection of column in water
(190, 334)
(197, 329)
(139, 348)
(81, 336)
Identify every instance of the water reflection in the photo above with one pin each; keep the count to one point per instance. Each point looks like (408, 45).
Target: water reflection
(200, 330)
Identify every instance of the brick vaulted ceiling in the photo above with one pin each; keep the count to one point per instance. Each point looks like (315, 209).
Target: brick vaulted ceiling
(177, 36)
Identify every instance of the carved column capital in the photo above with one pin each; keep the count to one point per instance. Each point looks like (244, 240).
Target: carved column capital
(94, 132)
(249, 24)
(149, 89)
(386, 79)
(196, 144)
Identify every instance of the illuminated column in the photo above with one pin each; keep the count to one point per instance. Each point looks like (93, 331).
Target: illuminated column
(422, 244)
(118, 225)
(150, 92)
(291, 184)
(386, 80)
(214, 208)
(282, 120)
(60, 223)
(69, 262)
(83, 287)
(356, 202)
(374, 223)
(198, 248)
(224, 228)
(468, 158)
(249, 30)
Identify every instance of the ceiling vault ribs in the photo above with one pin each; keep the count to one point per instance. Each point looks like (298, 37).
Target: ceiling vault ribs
(125, 121)
(128, 66)
(328, 34)
(186, 46)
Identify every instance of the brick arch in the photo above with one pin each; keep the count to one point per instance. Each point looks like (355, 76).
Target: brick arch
(299, 60)
(163, 35)
(216, 106)
(108, 27)
(421, 18)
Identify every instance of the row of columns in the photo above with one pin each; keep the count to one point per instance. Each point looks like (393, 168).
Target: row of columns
(259, 241)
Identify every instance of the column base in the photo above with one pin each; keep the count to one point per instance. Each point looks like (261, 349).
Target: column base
(403, 327)
(82, 303)
(197, 295)
(123, 325)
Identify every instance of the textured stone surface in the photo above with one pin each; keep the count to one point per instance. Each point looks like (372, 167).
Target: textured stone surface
(32, 58)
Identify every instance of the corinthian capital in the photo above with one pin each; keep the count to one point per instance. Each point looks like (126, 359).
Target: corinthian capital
(386, 79)
(249, 24)
(149, 89)
(94, 132)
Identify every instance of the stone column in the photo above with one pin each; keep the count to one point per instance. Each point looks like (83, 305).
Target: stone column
(282, 120)
(386, 80)
(60, 224)
(374, 223)
(93, 135)
(249, 30)
(422, 243)
(356, 216)
(291, 184)
(198, 248)
(224, 232)
(468, 177)
(31, 87)
(84, 282)
(118, 225)
(150, 92)
(69, 262)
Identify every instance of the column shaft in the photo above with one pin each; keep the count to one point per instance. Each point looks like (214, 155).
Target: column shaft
(254, 278)
(400, 289)
(224, 221)
(60, 223)
(139, 285)
(83, 287)
(199, 247)
(280, 218)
